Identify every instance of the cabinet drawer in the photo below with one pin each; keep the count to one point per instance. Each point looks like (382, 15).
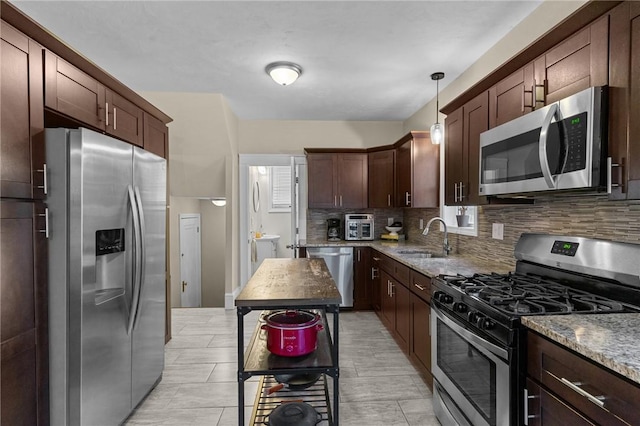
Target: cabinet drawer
(396, 269)
(420, 286)
(571, 378)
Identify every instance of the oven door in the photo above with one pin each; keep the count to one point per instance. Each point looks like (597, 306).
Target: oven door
(471, 375)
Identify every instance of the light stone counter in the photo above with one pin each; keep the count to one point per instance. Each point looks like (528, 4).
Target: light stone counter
(608, 339)
(432, 267)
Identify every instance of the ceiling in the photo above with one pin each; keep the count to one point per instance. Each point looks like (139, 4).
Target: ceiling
(361, 60)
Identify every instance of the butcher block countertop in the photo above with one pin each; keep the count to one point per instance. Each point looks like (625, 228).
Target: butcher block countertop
(607, 339)
(290, 282)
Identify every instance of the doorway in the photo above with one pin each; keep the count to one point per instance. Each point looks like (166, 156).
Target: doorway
(265, 208)
(190, 261)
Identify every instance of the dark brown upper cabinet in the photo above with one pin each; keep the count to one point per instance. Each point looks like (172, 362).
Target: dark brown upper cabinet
(381, 179)
(22, 117)
(512, 97)
(462, 152)
(123, 119)
(417, 171)
(337, 180)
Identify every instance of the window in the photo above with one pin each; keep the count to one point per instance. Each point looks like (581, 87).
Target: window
(449, 214)
(280, 188)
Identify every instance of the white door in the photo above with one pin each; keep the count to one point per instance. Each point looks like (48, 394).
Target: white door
(190, 260)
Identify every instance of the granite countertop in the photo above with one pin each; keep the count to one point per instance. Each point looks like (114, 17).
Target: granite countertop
(290, 282)
(432, 267)
(608, 339)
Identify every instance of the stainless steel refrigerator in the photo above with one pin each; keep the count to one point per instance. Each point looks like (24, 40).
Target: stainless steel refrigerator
(107, 207)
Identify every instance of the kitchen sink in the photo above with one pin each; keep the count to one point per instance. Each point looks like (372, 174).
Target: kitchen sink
(422, 254)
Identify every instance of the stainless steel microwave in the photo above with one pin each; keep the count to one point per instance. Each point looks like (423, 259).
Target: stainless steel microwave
(561, 146)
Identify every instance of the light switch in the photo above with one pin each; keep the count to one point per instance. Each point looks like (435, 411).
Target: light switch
(497, 231)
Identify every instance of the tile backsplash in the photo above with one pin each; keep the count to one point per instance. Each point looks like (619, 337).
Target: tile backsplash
(592, 216)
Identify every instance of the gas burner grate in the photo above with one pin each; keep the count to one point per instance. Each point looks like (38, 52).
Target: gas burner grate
(528, 294)
(318, 396)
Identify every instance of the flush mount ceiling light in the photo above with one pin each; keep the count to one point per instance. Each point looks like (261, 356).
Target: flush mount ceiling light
(284, 73)
(219, 201)
(437, 131)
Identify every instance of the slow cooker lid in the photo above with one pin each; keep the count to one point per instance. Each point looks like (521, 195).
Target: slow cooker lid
(291, 318)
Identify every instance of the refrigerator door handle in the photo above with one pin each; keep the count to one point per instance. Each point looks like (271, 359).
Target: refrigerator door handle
(136, 261)
(142, 255)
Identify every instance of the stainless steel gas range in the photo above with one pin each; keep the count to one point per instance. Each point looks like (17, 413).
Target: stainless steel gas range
(478, 342)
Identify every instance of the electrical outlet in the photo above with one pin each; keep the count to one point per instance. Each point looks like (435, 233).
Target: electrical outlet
(421, 224)
(497, 231)
(389, 221)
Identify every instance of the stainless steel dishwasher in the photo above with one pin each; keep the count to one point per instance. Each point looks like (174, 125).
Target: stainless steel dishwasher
(339, 260)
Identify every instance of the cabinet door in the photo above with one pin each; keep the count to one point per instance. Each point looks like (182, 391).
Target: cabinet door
(578, 63)
(403, 175)
(425, 177)
(420, 342)
(155, 136)
(512, 97)
(387, 302)
(633, 162)
(21, 116)
(381, 179)
(454, 168)
(73, 93)
(362, 278)
(124, 119)
(23, 326)
(323, 181)
(475, 121)
(402, 297)
(544, 409)
(375, 280)
(352, 180)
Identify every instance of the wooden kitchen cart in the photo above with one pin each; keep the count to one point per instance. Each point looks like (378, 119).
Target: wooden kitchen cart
(281, 284)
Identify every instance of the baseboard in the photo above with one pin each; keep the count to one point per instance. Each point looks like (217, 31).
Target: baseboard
(229, 298)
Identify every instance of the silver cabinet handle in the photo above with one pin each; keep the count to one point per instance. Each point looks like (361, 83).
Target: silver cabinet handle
(575, 386)
(407, 199)
(374, 272)
(377, 259)
(455, 192)
(610, 166)
(461, 191)
(335, 201)
(526, 406)
(106, 113)
(388, 200)
(359, 252)
(115, 117)
(44, 186)
(341, 201)
(421, 288)
(392, 285)
(45, 231)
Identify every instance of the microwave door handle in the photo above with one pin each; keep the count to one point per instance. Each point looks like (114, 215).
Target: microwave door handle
(542, 145)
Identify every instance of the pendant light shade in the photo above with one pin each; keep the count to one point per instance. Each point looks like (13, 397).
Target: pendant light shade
(284, 73)
(437, 130)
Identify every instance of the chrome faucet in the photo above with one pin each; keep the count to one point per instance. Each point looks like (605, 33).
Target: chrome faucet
(445, 245)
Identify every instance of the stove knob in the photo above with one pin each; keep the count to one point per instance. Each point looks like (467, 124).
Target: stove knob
(472, 317)
(460, 307)
(442, 297)
(485, 323)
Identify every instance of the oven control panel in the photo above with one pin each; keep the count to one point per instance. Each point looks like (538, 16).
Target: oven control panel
(565, 248)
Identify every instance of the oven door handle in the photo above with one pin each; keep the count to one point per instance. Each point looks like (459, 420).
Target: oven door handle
(469, 336)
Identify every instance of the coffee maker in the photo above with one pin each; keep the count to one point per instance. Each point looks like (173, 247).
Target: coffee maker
(333, 229)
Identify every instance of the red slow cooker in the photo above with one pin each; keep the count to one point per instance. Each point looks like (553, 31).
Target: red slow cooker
(292, 333)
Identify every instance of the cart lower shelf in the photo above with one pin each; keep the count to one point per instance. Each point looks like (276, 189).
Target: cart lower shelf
(317, 396)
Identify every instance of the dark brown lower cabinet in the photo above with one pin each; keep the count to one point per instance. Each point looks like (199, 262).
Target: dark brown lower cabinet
(565, 388)
(23, 309)
(403, 314)
(376, 285)
(420, 341)
(387, 301)
(362, 288)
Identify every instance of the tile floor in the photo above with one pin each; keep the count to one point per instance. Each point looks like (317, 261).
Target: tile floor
(378, 384)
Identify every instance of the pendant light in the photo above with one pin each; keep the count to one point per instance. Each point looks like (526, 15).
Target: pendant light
(284, 73)
(437, 130)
